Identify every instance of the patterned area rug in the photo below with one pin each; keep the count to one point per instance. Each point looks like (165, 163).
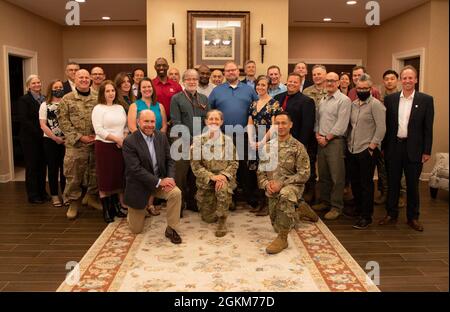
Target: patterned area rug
(314, 260)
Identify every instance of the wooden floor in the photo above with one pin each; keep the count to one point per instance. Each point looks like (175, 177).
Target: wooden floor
(36, 242)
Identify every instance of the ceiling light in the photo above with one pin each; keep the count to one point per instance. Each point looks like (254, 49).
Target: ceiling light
(351, 2)
(327, 19)
(106, 18)
(81, 1)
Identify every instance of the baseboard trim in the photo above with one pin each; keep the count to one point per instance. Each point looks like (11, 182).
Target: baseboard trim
(4, 178)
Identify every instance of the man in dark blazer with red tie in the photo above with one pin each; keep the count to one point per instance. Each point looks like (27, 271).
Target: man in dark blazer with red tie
(407, 145)
(150, 170)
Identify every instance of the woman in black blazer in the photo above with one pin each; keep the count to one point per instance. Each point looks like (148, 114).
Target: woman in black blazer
(31, 139)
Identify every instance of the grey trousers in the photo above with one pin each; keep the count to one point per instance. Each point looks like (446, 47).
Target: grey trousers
(332, 173)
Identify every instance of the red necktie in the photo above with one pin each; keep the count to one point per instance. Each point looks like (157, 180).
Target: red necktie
(285, 102)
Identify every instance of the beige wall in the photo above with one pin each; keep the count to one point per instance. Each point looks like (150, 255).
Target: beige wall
(21, 29)
(437, 73)
(273, 14)
(423, 27)
(408, 31)
(327, 43)
(101, 42)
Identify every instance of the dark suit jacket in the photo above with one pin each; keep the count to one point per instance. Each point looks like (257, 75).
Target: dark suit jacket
(420, 125)
(67, 87)
(140, 178)
(308, 83)
(302, 110)
(28, 113)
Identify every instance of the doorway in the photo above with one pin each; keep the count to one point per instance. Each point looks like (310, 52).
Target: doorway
(17, 65)
(16, 82)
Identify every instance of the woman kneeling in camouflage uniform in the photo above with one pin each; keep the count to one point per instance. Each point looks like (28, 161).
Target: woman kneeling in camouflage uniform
(214, 163)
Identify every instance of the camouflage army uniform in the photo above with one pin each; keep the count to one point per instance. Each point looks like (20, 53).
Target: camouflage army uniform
(315, 94)
(75, 120)
(214, 204)
(292, 171)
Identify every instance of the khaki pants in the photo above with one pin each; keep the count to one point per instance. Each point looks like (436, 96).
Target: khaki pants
(332, 173)
(136, 217)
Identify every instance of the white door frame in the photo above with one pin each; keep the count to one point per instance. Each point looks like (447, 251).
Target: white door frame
(30, 66)
(398, 61)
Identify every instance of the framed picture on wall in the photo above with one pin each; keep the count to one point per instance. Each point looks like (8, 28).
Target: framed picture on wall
(215, 37)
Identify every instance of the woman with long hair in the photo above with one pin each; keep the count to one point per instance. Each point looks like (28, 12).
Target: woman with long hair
(109, 120)
(125, 94)
(261, 113)
(54, 147)
(345, 82)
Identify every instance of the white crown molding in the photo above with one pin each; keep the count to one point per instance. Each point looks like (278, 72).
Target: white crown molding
(108, 60)
(326, 61)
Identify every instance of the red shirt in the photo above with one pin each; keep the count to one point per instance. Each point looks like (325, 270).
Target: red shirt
(165, 91)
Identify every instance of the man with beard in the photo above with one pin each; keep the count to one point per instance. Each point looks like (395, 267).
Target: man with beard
(233, 99)
(97, 77)
(184, 107)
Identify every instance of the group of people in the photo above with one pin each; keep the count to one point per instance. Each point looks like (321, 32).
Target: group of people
(120, 145)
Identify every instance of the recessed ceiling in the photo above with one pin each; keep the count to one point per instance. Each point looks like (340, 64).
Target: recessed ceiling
(312, 12)
(304, 13)
(128, 12)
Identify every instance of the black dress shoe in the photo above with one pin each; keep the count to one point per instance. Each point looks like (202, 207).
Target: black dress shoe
(362, 224)
(173, 235)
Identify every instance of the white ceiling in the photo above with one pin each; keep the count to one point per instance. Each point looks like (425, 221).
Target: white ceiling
(122, 12)
(301, 12)
(312, 12)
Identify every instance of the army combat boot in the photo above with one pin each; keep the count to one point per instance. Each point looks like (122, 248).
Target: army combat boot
(92, 201)
(279, 243)
(221, 227)
(305, 212)
(72, 212)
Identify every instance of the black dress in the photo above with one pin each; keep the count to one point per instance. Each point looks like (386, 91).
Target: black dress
(31, 138)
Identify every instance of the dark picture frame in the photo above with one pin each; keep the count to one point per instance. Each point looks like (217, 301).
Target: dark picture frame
(215, 37)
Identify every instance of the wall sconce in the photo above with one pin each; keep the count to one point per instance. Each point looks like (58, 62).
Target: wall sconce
(262, 43)
(173, 42)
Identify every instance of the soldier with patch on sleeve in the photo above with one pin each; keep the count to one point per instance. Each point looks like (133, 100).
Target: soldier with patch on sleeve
(283, 178)
(214, 164)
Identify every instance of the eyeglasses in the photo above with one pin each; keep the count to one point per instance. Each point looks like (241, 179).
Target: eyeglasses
(230, 70)
(331, 81)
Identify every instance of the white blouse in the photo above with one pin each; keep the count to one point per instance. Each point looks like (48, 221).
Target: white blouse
(109, 119)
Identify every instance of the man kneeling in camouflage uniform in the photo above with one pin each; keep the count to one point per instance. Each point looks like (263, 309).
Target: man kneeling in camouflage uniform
(214, 163)
(284, 181)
